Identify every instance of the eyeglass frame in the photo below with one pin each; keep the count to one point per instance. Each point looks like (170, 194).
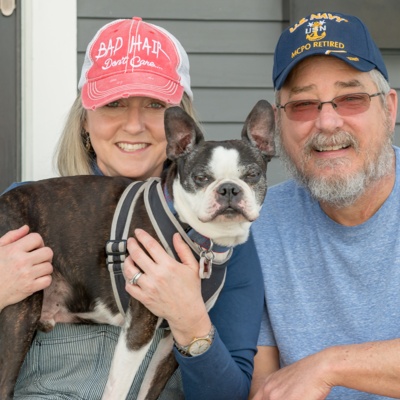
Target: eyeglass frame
(334, 105)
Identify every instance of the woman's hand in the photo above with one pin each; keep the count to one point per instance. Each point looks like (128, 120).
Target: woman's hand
(25, 265)
(168, 288)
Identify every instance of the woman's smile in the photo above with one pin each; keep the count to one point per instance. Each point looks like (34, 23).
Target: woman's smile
(132, 147)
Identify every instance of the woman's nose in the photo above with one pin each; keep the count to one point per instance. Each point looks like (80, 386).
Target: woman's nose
(134, 120)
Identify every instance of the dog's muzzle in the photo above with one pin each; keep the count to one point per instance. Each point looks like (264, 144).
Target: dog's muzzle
(229, 192)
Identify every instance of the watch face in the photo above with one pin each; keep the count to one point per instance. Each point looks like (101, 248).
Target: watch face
(199, 347)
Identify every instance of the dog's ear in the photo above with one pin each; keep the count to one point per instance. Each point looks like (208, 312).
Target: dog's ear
(181, 131)
(259, 128)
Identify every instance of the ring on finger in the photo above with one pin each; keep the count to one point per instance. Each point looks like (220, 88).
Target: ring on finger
(135, 279)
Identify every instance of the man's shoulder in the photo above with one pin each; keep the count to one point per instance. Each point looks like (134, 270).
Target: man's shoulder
(397, 151)
(283, 191)
(289, 184)
(284, 203)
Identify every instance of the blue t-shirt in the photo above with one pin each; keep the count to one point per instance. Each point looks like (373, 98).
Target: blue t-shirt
(73, 361)
(327, 284)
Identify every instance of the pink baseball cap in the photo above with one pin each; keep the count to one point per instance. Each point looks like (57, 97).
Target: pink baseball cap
(130, 57)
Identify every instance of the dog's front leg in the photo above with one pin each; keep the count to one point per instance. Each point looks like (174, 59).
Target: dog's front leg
(18, 324)
(132, 347)
(162, 366)
(125, 365)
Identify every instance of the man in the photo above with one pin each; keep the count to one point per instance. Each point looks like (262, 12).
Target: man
(329, 240)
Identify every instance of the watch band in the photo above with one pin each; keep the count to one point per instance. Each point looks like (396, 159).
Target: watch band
(198, 345)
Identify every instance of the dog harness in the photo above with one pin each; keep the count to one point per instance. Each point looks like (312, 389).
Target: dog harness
(213, 259)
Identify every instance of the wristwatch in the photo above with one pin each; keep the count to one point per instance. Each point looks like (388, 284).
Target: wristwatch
(198, 345)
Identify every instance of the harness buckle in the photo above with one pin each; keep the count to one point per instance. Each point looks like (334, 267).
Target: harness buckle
(206, 259)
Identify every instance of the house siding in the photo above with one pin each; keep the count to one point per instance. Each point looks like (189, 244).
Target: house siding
(230, 44)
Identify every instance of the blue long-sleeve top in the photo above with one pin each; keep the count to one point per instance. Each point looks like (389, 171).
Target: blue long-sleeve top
(225, 370)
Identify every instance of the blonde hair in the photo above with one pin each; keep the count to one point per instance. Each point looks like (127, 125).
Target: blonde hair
(71, 156)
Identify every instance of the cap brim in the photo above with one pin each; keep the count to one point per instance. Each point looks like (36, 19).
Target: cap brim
(360, 64)
(101, 92)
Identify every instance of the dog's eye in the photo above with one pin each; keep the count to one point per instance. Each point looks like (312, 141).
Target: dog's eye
(201, 180)
(253, 175)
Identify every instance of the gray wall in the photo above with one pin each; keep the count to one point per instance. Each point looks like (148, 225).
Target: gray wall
(230, 44)
(10, 108)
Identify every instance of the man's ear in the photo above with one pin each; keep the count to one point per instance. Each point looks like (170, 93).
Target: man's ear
(391, 101)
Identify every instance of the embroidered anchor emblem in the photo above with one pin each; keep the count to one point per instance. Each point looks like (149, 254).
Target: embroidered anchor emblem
(312, 33)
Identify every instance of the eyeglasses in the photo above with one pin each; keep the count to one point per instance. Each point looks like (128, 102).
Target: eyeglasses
(347, 104)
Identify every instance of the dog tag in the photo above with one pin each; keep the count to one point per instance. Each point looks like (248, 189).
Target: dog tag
(205, 268)
(206, 259)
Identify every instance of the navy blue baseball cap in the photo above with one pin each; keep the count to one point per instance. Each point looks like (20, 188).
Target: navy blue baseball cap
(326, 33)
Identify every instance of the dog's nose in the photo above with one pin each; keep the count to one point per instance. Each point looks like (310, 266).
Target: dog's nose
(229, 190)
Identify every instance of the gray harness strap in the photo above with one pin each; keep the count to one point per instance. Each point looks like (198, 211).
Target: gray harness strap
(165, 225)
(116, 246)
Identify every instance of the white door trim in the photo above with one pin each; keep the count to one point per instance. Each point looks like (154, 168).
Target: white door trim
(48, 81)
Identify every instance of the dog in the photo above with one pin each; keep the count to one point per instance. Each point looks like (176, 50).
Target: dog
(217, 189)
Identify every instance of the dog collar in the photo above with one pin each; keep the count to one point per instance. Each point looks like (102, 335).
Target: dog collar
(204, 242)
(208, 252)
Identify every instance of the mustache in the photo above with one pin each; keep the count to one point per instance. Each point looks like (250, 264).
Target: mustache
(320, 141)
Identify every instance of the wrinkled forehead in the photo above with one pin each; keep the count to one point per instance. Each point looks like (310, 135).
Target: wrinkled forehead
(307, 75)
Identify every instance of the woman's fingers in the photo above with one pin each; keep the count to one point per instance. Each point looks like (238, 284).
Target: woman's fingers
(184, 252)
(14, 235)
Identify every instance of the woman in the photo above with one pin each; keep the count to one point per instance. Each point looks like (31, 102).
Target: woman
(132, 72)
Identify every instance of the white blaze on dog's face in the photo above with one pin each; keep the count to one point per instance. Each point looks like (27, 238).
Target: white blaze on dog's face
(222, 194)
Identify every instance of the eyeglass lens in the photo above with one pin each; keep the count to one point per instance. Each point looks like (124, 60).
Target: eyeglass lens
(345, 105)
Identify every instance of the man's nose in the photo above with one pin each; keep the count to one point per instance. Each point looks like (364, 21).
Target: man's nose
(328, 119)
